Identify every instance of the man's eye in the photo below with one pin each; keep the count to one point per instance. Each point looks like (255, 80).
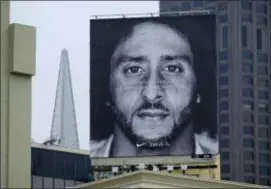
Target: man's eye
(134, 70)
(173, 69)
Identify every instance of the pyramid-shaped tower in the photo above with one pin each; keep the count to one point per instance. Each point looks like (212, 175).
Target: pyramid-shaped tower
(64, 127)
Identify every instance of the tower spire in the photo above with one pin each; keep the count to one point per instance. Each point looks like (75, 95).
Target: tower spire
(64, 127)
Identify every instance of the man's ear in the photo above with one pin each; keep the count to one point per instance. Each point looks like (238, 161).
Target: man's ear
(198, 99)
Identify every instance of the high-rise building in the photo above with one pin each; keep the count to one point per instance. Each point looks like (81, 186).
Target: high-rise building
(243, 74)
(64, 127)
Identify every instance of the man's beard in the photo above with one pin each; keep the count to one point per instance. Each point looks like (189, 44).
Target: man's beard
(162, 142)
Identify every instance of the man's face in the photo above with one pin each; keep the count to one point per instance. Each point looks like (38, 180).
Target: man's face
(152, 81)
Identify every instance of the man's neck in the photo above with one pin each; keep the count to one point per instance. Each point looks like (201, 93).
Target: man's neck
(122, 146)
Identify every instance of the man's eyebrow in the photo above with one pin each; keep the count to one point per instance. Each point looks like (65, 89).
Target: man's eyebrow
(186, 58)
(129, 58)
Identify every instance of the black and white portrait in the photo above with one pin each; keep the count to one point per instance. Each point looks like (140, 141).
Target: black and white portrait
(153, 86)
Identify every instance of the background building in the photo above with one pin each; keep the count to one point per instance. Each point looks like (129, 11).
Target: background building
(243, 74)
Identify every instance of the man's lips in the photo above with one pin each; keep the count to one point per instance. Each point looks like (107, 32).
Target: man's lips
(152, 113)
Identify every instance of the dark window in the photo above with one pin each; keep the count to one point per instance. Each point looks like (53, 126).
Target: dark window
(249, 156)
(225, 156)
(263, 133)
(263, 145)
(223, 105)
(59, 165)
(247, 92)
(246, 5)
(247, 55)
(224, 131)
(261, 8)
(249, 179)
(225, 169)
(224, 118)
(263, 120)
(246, 17)
(36, 155)
(264, 181)
(248, 143)
(225, 177)
(48, 163)
(261, 20)
(247, 68)
(248, 117)
(224, 143)
(247, 80)
(263, 108)
(262, 57)
(249, 168)
(186, 6)
(198, 3)
(222, 6)
(262, 70)
(70, 167)
(223, 81)
(244, 36)
(264, 158)
(263, 95)
(248, 130)
(223, 93)
(82, 169)
(259, 39)
(225, 37)
(262, 82)
(223, 55)
(223, 68)
(248, 105)
(264, 170)
(223, 18)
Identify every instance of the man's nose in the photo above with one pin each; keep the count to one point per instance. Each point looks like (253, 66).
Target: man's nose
(153, 91)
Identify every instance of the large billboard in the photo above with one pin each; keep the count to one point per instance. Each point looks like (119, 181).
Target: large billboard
(153, 86)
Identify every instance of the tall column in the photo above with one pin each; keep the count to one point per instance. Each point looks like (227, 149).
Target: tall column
(18, 56)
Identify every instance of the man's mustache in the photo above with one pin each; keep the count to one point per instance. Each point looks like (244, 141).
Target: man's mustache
(148, 106)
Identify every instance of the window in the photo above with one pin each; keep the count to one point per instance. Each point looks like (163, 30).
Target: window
(264, 181)
(48, 163)
(247, 92)
(248, 143)
(224, 143)
(223, 55)
(224, 131)
(263, 120)
(225, 156)
(186, 6)
(246, 5)
(223, 68)
(249, 168)
(263, 108)
(262, 70)
(263, 133)
(247, 80)
(222, 6)
(262, 57)
(259, 39)
(246, 17)
(261, 9)
(247, 68)
(248, 117)
(247, 105)
(262, 82)
(223, 105)
(225, 37)
(225, 177)
(59, 165)
(198, 3)
(223, 93)
(263, 145)
(244, 36)
(249, 156)
(223, 18)
(224, 118)
(248, 130)
(261, 20)
(223, 81)
(225, 169)
(263, 95)
(264, 158)
(264, 170)
(70, 167)
(247, 55)
(249, 179)
(36, 165)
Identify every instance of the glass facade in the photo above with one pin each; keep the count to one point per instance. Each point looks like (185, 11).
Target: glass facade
(58, 169)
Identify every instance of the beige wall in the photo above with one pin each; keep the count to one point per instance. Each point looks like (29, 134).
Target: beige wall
(18, 47)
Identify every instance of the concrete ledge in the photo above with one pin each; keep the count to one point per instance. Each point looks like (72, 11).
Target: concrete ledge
(22, 49)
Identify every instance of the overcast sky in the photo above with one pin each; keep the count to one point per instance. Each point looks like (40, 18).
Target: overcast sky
(65, 24)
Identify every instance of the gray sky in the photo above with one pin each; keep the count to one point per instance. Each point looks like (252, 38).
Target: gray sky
(59, 25)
